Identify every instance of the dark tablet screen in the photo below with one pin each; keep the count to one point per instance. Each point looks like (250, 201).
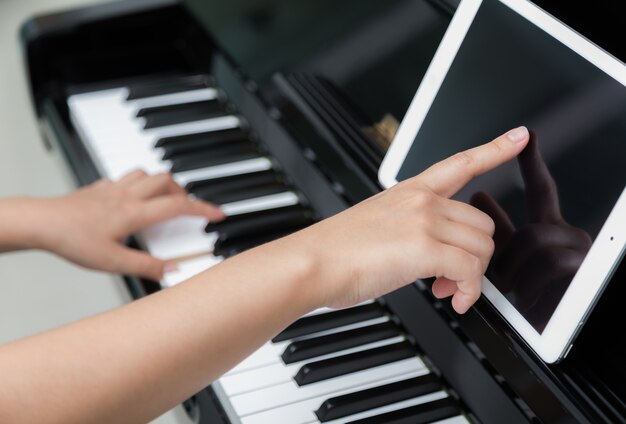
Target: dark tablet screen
(550, 203)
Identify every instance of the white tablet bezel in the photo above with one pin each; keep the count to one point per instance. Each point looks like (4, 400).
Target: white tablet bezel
(556, 339)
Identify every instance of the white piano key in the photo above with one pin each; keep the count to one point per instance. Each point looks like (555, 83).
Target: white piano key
(117, 97)
(189, 268)
(195, 127)
(277, 373)
(178, 238)
(107, 126)
(226, 170)
(201, 94)
(106, 131)
(115, 170)
(289, 392)
(460, 419)
(270, 352)
(431, 397)
(272, 201)
(267, 354)
(97, 99)
(126, 144)
(304, 411)
(115, 136)
(325, 309)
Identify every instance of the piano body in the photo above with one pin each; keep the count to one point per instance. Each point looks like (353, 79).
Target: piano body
(281, 111)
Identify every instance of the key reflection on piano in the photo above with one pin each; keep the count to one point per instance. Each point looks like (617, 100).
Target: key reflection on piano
(351, 365)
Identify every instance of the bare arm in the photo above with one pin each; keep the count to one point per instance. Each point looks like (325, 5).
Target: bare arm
(134, 363)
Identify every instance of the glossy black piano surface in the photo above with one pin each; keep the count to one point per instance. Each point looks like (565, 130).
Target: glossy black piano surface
(315, 79)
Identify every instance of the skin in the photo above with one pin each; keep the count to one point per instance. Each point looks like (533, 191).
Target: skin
(88, 227)
(136, 362)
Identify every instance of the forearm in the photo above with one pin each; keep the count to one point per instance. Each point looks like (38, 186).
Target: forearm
(134, 363)
(20, 218)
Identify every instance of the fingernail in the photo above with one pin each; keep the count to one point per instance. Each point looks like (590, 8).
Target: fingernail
(170, 267)
(518, 134)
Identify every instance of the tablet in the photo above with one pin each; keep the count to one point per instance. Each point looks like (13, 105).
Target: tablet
(560, 207)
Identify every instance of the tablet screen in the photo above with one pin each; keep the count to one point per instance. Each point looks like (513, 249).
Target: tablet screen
(550, 203)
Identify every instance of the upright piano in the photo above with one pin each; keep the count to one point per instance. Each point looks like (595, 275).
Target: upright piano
(281, 112)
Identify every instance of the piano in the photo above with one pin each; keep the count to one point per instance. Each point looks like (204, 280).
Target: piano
(281, 112)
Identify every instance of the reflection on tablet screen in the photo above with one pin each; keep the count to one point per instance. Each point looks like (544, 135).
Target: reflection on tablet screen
(550, 204)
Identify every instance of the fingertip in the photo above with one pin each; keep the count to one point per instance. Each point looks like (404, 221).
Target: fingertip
(156, 270)
(461, 302)
(215, 213)
(170, 267)
(443, 288)
(437, 293)
(206, 209)
(518, 135)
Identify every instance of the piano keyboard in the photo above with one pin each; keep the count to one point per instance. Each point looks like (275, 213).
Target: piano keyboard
(191, 133)
(353, 365)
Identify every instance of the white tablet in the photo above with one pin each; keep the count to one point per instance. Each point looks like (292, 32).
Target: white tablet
(560, 207)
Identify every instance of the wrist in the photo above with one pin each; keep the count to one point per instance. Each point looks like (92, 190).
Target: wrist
(325, 280)
(302, 269)
(22, 223)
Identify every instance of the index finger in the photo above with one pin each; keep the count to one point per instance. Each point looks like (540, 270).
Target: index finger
(167, 207)
(450, 175)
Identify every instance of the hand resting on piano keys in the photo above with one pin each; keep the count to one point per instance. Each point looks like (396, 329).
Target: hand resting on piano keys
(88, 226)
(138, 361)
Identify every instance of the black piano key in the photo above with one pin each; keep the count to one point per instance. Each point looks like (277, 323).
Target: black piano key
(233, 183)
(353, 362)
(420, 414)
(173, 152)
(195, 160)
(274, 222)
(235, 247)
(215, 226)
(204, 138)
(302, 350)
(245, 194)
(168, 86)
(161, 116)
(183, 147)
(353, 403)
(240, 242)
(322, 322)
(251, 176)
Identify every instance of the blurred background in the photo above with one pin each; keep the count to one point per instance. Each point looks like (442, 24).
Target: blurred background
(39, 291)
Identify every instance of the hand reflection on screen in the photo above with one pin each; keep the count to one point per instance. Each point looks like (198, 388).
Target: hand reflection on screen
(534, 264)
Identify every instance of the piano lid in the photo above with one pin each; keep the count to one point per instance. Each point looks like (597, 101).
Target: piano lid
(364, 47)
